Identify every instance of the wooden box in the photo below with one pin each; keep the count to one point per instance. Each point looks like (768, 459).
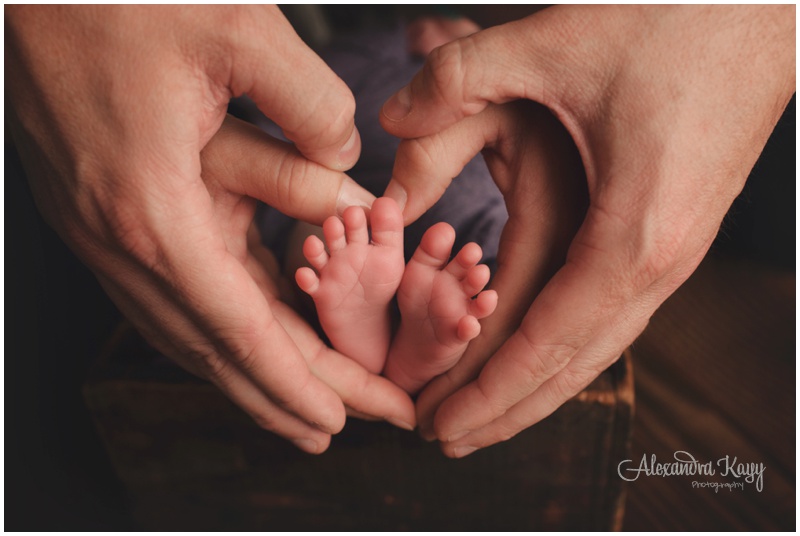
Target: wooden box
(191, 460)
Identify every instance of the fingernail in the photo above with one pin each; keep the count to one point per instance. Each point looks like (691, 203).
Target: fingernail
(396, 192)
(353, 195)
(460, 452)
(351, 142)
(457, 436)
(400, 424)
(307, 445)
(346, 153)
(399, 105)
(428, 436)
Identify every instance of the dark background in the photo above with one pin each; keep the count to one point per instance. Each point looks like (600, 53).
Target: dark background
(58, 476)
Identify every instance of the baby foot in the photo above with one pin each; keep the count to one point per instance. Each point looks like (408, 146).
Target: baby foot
(438, 313)
(357, 280)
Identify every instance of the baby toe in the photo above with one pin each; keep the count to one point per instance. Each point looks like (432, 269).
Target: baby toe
(477, 277)
(468, 328)
(314, 252)
(436, 245)
(468, 257)
(386, 221)
(333, 229)
(307, 280)
(355, 226)
(484, 305)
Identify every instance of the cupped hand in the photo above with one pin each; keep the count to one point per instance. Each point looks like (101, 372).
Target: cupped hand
(110, 108)
(668, 107)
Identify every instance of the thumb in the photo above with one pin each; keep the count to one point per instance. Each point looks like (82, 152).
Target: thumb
(462, 77)
(424, 167)
(294, 87)
(242, 159)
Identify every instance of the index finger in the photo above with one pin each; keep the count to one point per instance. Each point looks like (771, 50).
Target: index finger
(242, 159)
(360, 390)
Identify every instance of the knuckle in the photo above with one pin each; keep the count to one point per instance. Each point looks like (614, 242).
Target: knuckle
(242, 344)
(117, 223)
(328, 120)
(264, 420)
(420, 153)
(444, 71)
(291, 182)
(446, 74)
(656, 257)
(565, 386)
(543, 361)
(498, 405)
(211, 364)
(640, 250)
(506, 431)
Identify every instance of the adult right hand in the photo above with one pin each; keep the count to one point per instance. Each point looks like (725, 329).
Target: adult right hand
(110, 108)
(668, 108)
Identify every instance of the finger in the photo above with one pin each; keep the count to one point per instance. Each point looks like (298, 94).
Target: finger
(465, 260)
(532, 409)
(355, 226)
(421, 175)
(267, 415)
(590, 310)
(314, 252)
(545, 194)
(366, 396)
(386, 221)
(259, 346)
(365, 393)
(427, 33)
(169, 328)
(333, 229)
(242, 159)
(213, 288)
(460, 78)
(296, 89)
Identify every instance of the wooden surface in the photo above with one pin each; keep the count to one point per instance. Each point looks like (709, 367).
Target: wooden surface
(715, 376)
(192, 461)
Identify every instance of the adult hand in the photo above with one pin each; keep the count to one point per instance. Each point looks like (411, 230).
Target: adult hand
(669, 108)
(110, 109)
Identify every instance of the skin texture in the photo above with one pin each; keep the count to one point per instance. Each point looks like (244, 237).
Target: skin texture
(668, 109)
(438, 315)
(117, 114)
(359, 275)
(427, 33)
